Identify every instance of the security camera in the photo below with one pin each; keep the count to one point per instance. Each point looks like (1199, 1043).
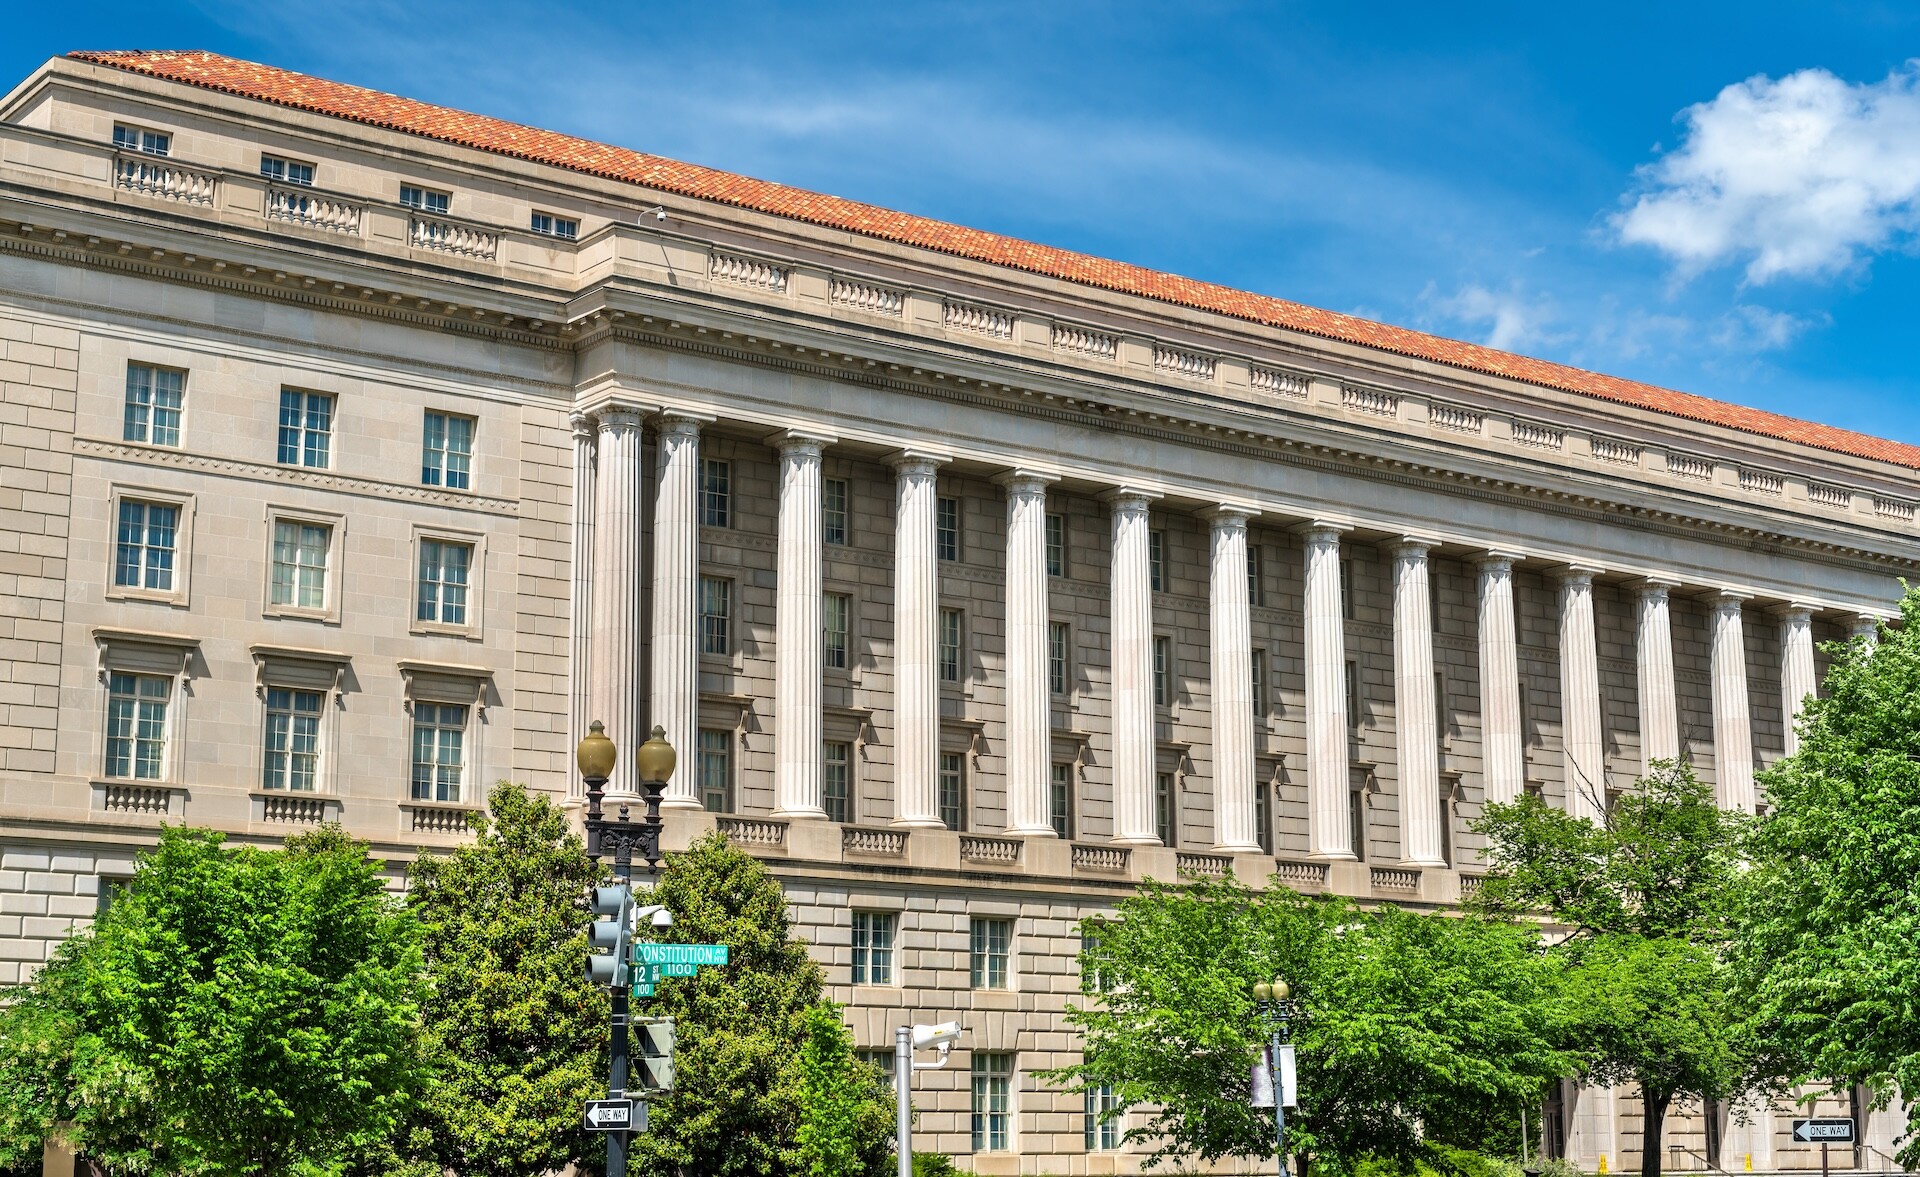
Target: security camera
(657, 212)
(941, 1037)
(663, 918)
(654, 913)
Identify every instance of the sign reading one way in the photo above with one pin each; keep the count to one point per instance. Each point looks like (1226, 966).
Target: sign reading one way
(615, 1115)
(1833, 1130)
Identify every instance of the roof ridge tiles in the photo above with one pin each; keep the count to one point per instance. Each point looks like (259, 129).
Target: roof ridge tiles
(266, 83)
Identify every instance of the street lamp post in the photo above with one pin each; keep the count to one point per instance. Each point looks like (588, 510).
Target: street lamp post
(1275, 1011)
(653, 764)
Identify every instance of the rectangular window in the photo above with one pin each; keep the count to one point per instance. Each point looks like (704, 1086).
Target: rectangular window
(1163, 807)
(439, 750)
(144, 545)
(1346, 587)
(551, 226)
(1056, 545)
(1440, 706)
(947, 529)
(293, 740)
(1162, 672)
(715, 767)
(286, 171)
(953, 790)
(1157, 560)
(716, 609)
(836, 781)
(952, 624)
(1357, 822)
(135, 139)
(1060, 799)
(1058, 644)
(882, 1060)
(833, 510)
(1103, 1119)
(834, 611)
(446, 457)
(300, 564)
(1259, 664)
(1353, 694)
(445, 567)
(137, 726)
(991, 940)
(1263, 816)
(154, 397)
(1255, 594)
(424, 199)
(873, 947)
(306, 428)
(992, 1102)
(716, 493)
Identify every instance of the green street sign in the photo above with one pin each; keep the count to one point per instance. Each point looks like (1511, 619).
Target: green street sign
(646, 974)
(676, 970)
(681, 954)
(642, 990)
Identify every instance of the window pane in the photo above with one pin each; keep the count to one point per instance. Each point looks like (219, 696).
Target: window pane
(1162, 672)
(716, 493)
(950, 630)
(834, 608)
(1163, 807)
(833, 510)
(835, 791)
(947, 529)
(292, 743)
(992, 1102)
(1056, 545)
(715, 607)
(135, 426)
(1057, 657)
(136, 726)
(439, 750)
(1157, 560)
(1060, 799)
(715, 770)
(953, 790)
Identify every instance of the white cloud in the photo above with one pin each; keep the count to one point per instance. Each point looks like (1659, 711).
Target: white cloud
(1512, 319)
(1803, 176)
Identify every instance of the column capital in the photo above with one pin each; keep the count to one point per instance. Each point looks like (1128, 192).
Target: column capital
(1577, 574)
(1228, 514)
(1129, 498)
(1024, 480)
(582, 423)
(1655, 586)
(617, 417)
(1415, 545)
(1321, 529)
(799, 440)
(912, 460)
(1500, 558)
(1728, 600)
(681, 422)
(1794, 610)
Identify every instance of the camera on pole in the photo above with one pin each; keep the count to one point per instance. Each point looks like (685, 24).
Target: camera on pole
(656, 1053)
(610, 936)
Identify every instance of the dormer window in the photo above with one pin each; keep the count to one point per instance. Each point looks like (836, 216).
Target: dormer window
(135, 139)
(286, 171)
(424, 199)
(552, 226)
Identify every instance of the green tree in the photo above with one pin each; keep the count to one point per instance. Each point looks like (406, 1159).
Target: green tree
(737, 1106)
(235, 1011)
(1418, 1030)
(842, 1103)
(1827, 961)
(1646, 895)
(519, 1032)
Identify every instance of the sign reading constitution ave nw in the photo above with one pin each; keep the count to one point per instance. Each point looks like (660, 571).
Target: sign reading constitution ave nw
(680, 954)
(1834, 1130)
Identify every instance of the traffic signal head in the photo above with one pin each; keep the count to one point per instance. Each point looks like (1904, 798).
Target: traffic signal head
(656, 1044)
(609, 936)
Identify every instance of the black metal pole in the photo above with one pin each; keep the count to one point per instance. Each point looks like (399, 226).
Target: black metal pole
(617, 1068)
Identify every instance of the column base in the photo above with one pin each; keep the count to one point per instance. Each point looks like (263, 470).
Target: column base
(673, 802)
(1237, 848)
(917, 823)
(1424, 863)
(1137, 841)
(814, 814)
(1032, 832)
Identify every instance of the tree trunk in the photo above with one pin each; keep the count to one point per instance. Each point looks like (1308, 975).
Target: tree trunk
(1653, 1111)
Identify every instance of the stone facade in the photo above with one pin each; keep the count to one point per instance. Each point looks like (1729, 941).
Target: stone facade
(927, 565)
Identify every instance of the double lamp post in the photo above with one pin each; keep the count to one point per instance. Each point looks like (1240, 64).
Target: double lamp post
(1276, 1009)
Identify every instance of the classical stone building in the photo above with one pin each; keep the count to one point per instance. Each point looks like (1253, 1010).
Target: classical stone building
(355, 452)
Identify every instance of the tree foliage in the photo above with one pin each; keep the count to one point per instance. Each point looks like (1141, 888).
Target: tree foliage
(842, 1103)
(234, 1011)
(519, 1033)
(1828, 956)
(1418, 1030)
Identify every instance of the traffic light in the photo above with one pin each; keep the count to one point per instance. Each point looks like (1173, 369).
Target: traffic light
(656, 1053)
(610, 936)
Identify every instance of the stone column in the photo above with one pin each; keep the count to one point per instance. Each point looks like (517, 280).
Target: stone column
(1416, 726)
(1866, 626)
(1329, 824)
(1586, 783)
(1732, 723)
(676, 605)
(580, 696)
(798, 637)
(1659, 705)
(1134, 747)
(1797, 677)
(916, 641)
(1029, 728)
(1231, 631)
(1502, 729)
(615, 601)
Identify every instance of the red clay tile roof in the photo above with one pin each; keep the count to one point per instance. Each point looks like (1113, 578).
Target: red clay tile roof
(268, 84)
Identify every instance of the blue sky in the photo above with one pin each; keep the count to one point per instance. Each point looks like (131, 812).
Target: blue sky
(1719, 198)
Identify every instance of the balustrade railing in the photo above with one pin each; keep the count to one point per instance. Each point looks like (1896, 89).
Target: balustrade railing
(752, 831)
(1085, 342)
(1183, 363)
(1001, 851)
(1688, 466)
(863, 840)
(1456, 418)
(1369, 400)
(866, 296)
(978, 319)
(441, 821)
(749, 271)
(1609, 449)
(1761, 482)
(137, 799)
(450, 237)
(1393, 878)
(1541, 437)
(1107, 859)
(1278, 382)
(317, 210)
(1829, 496)
(167, 180)
(293, 810)
(1209, 866)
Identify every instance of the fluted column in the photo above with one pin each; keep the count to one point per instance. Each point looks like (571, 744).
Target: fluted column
(1029, 735)
(1415, 723)
(798, 636)
(580, 699)
(1231, 630)
(1798, 681)
(1133, 731)
(676, 604)
(1653, 638)
(1867, 627)
(616, 601)
(1502, 731)
(1586, 783)
(916, 641)
(1732, 723)
(1329, 824)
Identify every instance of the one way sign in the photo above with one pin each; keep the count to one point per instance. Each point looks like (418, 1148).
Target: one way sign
(1832, 1130)
(616, 1115)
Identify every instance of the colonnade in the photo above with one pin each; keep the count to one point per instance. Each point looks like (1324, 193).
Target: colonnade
(611, 494)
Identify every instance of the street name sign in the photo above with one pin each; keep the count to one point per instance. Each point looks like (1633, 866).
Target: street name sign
(681, 954)
(1832, 1130)
(614, 1115)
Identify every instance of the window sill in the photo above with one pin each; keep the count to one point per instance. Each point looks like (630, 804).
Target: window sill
(177, 598)
(438, 629)
(297, 613)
